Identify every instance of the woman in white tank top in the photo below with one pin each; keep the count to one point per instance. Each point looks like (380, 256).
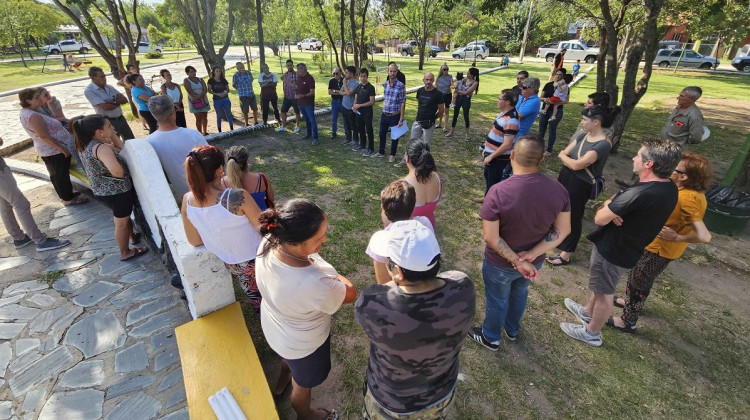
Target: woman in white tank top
(225, 220)
(173, 90)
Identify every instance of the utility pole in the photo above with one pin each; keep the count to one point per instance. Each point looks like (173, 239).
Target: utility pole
(526, 32)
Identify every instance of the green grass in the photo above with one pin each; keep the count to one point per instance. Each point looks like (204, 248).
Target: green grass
(689, 359)
(52, 276)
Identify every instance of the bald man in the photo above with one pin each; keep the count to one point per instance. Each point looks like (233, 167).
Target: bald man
(518, 232)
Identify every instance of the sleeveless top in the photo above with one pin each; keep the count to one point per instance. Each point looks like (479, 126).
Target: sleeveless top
(428, 209)
(101, 180)
(229, 236)
(55, 130)
(465, 86)
(258, 196)
(197, 88)
(174, 93)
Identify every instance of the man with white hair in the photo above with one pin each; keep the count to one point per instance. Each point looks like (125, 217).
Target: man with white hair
(172, 143)
(685, 123)
(416, 324)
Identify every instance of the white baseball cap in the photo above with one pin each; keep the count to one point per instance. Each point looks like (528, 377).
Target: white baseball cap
(409, 244)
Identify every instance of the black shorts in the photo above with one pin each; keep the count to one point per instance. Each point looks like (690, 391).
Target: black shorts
(447, 99)
(310, 371)
(121, 204)
(289, 103)
(247, 103)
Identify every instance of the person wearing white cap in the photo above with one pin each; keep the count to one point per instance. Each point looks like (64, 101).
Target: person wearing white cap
(523, 217)
(416, 324)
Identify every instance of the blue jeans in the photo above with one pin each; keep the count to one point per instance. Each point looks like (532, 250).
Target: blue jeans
(308, 113)
(387, 122)
(505, 291)
(222, 105)
(335, 108)
(544, 123)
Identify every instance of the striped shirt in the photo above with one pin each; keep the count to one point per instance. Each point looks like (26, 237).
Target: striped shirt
(504, 125)
(393, 97)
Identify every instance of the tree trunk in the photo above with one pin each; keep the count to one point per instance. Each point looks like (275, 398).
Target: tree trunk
(362, 46)
(632, 92)
(200, 17)
(261, 42)
(352, 23)
(322, 13)
(20, 50)
(342, 22)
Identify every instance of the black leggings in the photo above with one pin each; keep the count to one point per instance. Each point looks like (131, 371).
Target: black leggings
(150, 120)
(58, 167)
(579, 191)
(462, 101)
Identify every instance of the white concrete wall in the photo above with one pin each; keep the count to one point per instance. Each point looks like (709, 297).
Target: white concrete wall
(207, 282)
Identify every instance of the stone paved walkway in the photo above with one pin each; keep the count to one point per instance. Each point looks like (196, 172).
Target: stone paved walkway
(97, 344)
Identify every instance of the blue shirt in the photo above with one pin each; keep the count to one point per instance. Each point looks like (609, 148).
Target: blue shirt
(393, 96)
(243, 83)
(529, 108)
(348, 100)
(135, 91)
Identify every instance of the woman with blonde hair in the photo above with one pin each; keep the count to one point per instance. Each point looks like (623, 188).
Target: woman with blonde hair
(238, 176)
(224, 219)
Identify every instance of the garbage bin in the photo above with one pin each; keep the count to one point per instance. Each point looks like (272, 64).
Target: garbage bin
(728, 210)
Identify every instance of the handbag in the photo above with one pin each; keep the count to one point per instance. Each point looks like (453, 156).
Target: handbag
(598, 182)
(198, 104)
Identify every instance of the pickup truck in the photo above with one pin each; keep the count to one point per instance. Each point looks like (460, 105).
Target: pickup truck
(67, 45)
(310, 44)
(410, 48)
(577, 50)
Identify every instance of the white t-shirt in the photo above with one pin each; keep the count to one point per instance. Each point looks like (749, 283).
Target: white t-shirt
(297, 303)
(172, 147)
(382, 258)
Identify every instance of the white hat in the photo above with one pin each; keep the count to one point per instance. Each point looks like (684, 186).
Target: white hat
(409, 244)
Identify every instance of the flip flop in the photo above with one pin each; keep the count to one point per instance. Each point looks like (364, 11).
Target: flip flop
(557, 258)
(629, 330)
(616, 303)
(330, 414)
(137, 252)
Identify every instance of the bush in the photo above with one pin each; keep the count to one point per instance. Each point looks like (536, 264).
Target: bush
(321, 60)
(154, 54)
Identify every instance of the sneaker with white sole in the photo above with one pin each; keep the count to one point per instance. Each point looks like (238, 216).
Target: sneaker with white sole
(357, 148)
(476, 334)
(22, 242)
(296, 129)
(378, 155)
(578, 310)
(280, 129)
(51, 243)
(367, 153)
(581, 333)
(511, 337)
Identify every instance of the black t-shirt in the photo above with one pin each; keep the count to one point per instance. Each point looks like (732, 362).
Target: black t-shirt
(428, 103)
(401, 77)
(548, 91)
(644, 208)
(364, 92)
(218, 87)
(335, 85)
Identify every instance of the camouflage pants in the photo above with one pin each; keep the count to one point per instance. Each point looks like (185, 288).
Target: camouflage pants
(372, 410)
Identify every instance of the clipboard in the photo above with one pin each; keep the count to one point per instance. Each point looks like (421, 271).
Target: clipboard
(397, 131)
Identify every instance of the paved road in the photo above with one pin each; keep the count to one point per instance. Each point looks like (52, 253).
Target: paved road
(99, 342)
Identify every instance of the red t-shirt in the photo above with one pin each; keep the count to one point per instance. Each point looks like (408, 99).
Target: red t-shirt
(304, 85)
(526, 206)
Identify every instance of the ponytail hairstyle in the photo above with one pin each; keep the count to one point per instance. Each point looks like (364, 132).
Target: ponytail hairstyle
(475, 72)
(84, 129)
(605, 115)
(200, 169)
(295, 222)
(236, 165)
(420, 157)
(132, 78)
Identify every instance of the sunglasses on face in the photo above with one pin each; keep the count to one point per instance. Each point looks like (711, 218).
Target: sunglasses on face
(525, 87)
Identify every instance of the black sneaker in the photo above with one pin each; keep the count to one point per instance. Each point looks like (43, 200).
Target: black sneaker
(22, 242)
(51, 243)
(475, 333)
(511, 337)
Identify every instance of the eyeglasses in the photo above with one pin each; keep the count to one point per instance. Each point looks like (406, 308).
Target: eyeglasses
(444, 69)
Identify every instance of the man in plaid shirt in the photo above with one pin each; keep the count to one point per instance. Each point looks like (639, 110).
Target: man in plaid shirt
(243, 82)
(394, 102)
(290, 97)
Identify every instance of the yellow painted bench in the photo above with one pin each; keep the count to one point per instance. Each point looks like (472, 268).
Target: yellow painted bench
(216, 351)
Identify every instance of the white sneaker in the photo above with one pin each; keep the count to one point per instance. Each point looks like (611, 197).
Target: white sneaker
(280, 129)
(578, 310)
(296, 129)
(580, 333)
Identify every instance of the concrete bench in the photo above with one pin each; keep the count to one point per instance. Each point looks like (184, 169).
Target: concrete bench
(216, 351)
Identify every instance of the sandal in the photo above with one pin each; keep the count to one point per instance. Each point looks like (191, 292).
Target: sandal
(629, 330)
(137, 252)
(330, 414)
(79, 199)
(616, 303)
(557, 261)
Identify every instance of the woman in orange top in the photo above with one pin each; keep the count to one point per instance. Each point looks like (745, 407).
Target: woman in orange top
(693, 176)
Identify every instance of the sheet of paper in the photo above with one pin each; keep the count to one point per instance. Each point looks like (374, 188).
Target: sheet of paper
(397, 131)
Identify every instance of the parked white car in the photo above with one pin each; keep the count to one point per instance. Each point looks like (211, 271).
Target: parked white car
(310, 44)
(471, 52)
(688, 58)
(145, 47)
(67, 45)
